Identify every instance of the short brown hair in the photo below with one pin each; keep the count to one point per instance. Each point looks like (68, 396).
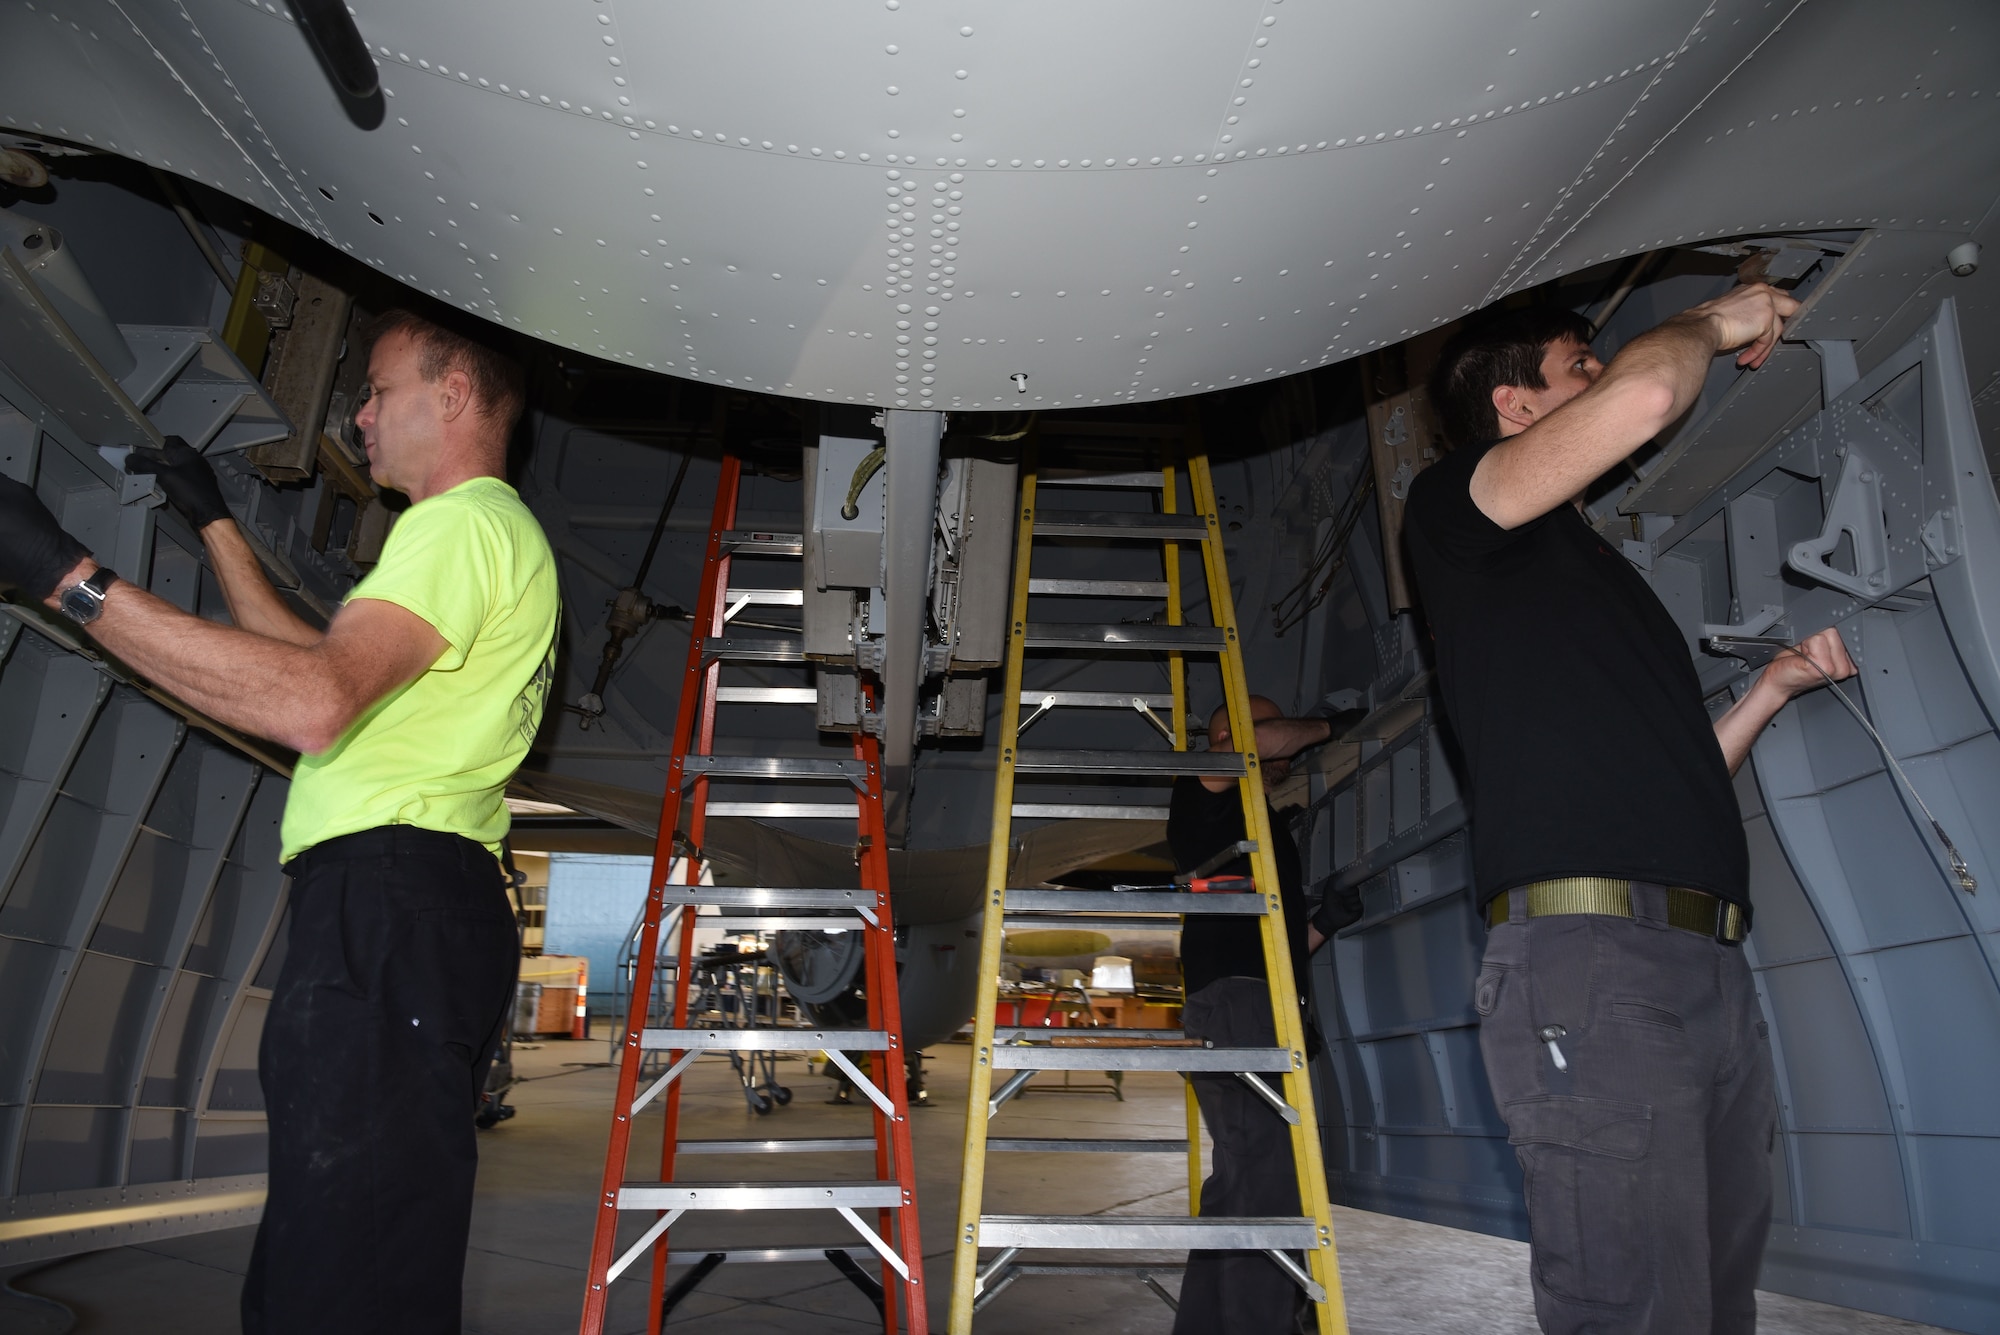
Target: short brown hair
(1505, 349)
(498, 384)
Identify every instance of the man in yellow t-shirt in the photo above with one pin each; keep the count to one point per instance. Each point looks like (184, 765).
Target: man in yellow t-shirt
(410, 712)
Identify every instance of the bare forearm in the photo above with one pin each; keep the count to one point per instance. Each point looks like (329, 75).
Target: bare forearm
(256, 683)
(1283, 738)
(1649, 384)
(254, 604)
(1674, 356)
(1741, 724)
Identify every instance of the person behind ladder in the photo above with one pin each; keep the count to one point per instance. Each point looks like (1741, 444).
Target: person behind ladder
(410, 711)
(1618, 1018)
(1228, 1003)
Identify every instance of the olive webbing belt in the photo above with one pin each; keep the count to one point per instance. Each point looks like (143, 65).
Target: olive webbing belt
(1690, 910)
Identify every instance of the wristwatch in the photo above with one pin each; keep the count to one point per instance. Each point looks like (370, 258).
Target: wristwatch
(83, 602)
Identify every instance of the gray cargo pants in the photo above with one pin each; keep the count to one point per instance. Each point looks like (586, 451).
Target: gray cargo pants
(1647, 1164)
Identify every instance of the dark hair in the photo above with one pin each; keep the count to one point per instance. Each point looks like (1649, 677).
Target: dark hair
(499, 388)
(1504, 349)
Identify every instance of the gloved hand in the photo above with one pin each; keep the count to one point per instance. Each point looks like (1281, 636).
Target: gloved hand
(186, 477)
(35, 553)
(1338, 909)
(1341, 722)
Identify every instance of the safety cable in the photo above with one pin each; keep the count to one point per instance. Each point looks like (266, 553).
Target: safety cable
(1966, 880)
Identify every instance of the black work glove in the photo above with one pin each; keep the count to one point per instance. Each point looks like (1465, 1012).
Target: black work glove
(186, 477)
(1339, 721)
(35, 553)
(1338, 909)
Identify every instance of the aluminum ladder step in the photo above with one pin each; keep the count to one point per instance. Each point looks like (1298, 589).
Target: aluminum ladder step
(1134, 901)
(1082, 1145)
(733, 598)
(1091, 922)
(764, 1040)
(760, 1196)
(1227, 764)
(796, 1145)
(1133, 1232)
(746, 649)
(1084, 811)
(761, 542)
(1018, 1033)
(755, 897)
(786, 922)
(787, 810)
(774, 767)
(1120, 524)
(766, 695)
(1026, 1057)
(1098, 699)
(1150, 480)
(1098, 588)
(766, 1255)
(1122, 638)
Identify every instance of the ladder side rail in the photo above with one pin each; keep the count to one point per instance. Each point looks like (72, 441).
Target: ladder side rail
(604, 1235)
(709, 606)
(868, 851)
(895, 1155)
(965, 1243)
(1306, 1157)
(1170, 556)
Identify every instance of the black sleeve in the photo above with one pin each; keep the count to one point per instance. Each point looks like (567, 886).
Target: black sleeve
(1441, 511)
(1201, 824)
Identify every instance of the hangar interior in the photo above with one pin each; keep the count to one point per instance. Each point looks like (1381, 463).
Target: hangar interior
(212, 277)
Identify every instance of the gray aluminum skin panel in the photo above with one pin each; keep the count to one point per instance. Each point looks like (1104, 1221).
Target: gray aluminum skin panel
(907, 206)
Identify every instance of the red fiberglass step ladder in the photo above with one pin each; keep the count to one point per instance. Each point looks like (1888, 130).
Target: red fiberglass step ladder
(628, 1191)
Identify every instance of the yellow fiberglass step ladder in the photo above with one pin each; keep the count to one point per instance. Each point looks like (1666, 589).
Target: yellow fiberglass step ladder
(673, 900)
(1018, 1053)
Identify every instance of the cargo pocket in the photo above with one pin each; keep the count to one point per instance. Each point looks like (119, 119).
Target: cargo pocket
(1486, 993)
(1588, 1216)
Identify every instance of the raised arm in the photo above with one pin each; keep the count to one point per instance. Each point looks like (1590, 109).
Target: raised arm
(304, 696)
(190, 486)
(254, 602)
(1812, 663)
(1277, 739)
(1650, 383)
(1283, 738)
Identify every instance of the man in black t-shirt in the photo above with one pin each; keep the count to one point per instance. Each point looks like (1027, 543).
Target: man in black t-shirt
(1229, 1004)
(1619, 1022)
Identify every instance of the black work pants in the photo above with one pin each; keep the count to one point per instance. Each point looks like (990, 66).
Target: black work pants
(1647, 1163)
(1239, 1292)
(399, 967)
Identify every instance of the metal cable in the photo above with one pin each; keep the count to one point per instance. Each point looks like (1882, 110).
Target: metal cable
(1334, 550)
(1966, 880)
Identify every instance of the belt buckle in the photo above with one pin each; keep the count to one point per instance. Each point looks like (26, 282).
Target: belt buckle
(1726, 913)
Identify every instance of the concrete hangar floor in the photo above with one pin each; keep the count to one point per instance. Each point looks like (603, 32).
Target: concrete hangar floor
(531, 1231)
